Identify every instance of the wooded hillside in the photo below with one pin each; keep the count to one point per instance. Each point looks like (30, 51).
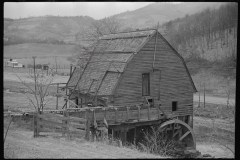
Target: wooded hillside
(209, 35)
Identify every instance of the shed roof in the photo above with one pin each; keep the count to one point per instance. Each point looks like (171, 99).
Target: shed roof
(108, 60)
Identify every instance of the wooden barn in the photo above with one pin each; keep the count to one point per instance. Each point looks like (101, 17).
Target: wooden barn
(129, 69)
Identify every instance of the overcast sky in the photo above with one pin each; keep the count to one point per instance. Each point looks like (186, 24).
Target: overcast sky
(96, 10)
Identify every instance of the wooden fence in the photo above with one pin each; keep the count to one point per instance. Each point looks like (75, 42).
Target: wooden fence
(68, 126)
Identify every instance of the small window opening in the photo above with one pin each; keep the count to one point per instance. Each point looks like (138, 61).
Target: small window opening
(150, 101)
(146, 84)
(174, 106)
(76, 101)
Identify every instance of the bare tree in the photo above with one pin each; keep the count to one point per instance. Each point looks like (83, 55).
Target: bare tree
(40, 93)
(105, 26)
(97, 29)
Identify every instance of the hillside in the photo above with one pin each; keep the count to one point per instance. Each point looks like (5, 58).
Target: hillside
(206, 39)
(47, 29)
(151, 14)
(28, 50)
(60, 28)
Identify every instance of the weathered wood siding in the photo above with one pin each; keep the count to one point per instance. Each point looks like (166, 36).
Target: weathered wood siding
(175, 84)
(85, 99)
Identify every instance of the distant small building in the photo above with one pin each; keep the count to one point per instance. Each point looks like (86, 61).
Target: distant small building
(39, 66)
(45, 67)
(14, 64)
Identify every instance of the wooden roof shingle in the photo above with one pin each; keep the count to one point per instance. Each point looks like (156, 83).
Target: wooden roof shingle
(109, 57)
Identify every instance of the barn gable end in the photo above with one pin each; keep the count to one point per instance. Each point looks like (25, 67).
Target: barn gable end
(175, 84)
(116, 67)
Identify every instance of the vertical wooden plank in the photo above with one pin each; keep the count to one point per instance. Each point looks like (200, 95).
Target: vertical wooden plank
(135, 134)
(57, 98)
(66, 122)
(37, 124)
(173, 129)
(158, 112)
(86, 117)
(148, 112)
(96, 97)
(125, 136)
(67, 99)
(63, 128)
(127, 113)
(159, 92)
(88, 130)
(81, 102)
(112, 134)
(139, 112)
(87, 134)
(34, 125)
(116, 115)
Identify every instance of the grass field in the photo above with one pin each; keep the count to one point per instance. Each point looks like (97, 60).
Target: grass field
(21, 144)
(62, 62)
(28, 50)
(214, 85)
(45, 54)
(215, 111)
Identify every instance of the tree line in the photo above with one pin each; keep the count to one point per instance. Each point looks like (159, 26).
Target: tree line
(210, 24)
(13, 40)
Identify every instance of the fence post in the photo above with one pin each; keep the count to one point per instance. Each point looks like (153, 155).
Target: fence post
(34, 125)
(37, 125)
(57, 98)
(64, 122)
(87, 126)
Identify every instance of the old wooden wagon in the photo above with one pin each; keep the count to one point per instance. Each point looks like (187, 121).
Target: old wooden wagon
(132, 81)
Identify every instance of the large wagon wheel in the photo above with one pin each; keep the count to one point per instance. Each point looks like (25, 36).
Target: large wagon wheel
(180, 131)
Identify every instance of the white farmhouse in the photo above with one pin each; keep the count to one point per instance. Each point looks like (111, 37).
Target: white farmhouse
(14, 64)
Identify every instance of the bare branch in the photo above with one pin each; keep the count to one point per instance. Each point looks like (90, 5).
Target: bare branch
(34, 92)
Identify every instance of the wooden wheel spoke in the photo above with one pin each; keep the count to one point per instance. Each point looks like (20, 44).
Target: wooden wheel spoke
(178, 131)
(184, 135)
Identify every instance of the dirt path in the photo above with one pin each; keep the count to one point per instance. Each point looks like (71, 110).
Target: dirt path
(214, 150)
(206, 137)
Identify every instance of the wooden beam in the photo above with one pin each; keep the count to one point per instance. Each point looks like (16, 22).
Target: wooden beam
(149, 112)
(116, 115)
(139, 112)
(57, 97)
(184, 135)
(154, 51)
(87, 129)
(159, 92)
(159, 115)
(127, 113)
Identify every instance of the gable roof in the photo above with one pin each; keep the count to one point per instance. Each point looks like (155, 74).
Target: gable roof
(108, 60)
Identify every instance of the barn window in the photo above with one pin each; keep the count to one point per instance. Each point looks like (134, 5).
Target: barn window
(145, 84)
(174, 105)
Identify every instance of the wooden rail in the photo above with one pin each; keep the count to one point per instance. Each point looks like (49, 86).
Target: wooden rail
(118, 115)
(50, 122)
